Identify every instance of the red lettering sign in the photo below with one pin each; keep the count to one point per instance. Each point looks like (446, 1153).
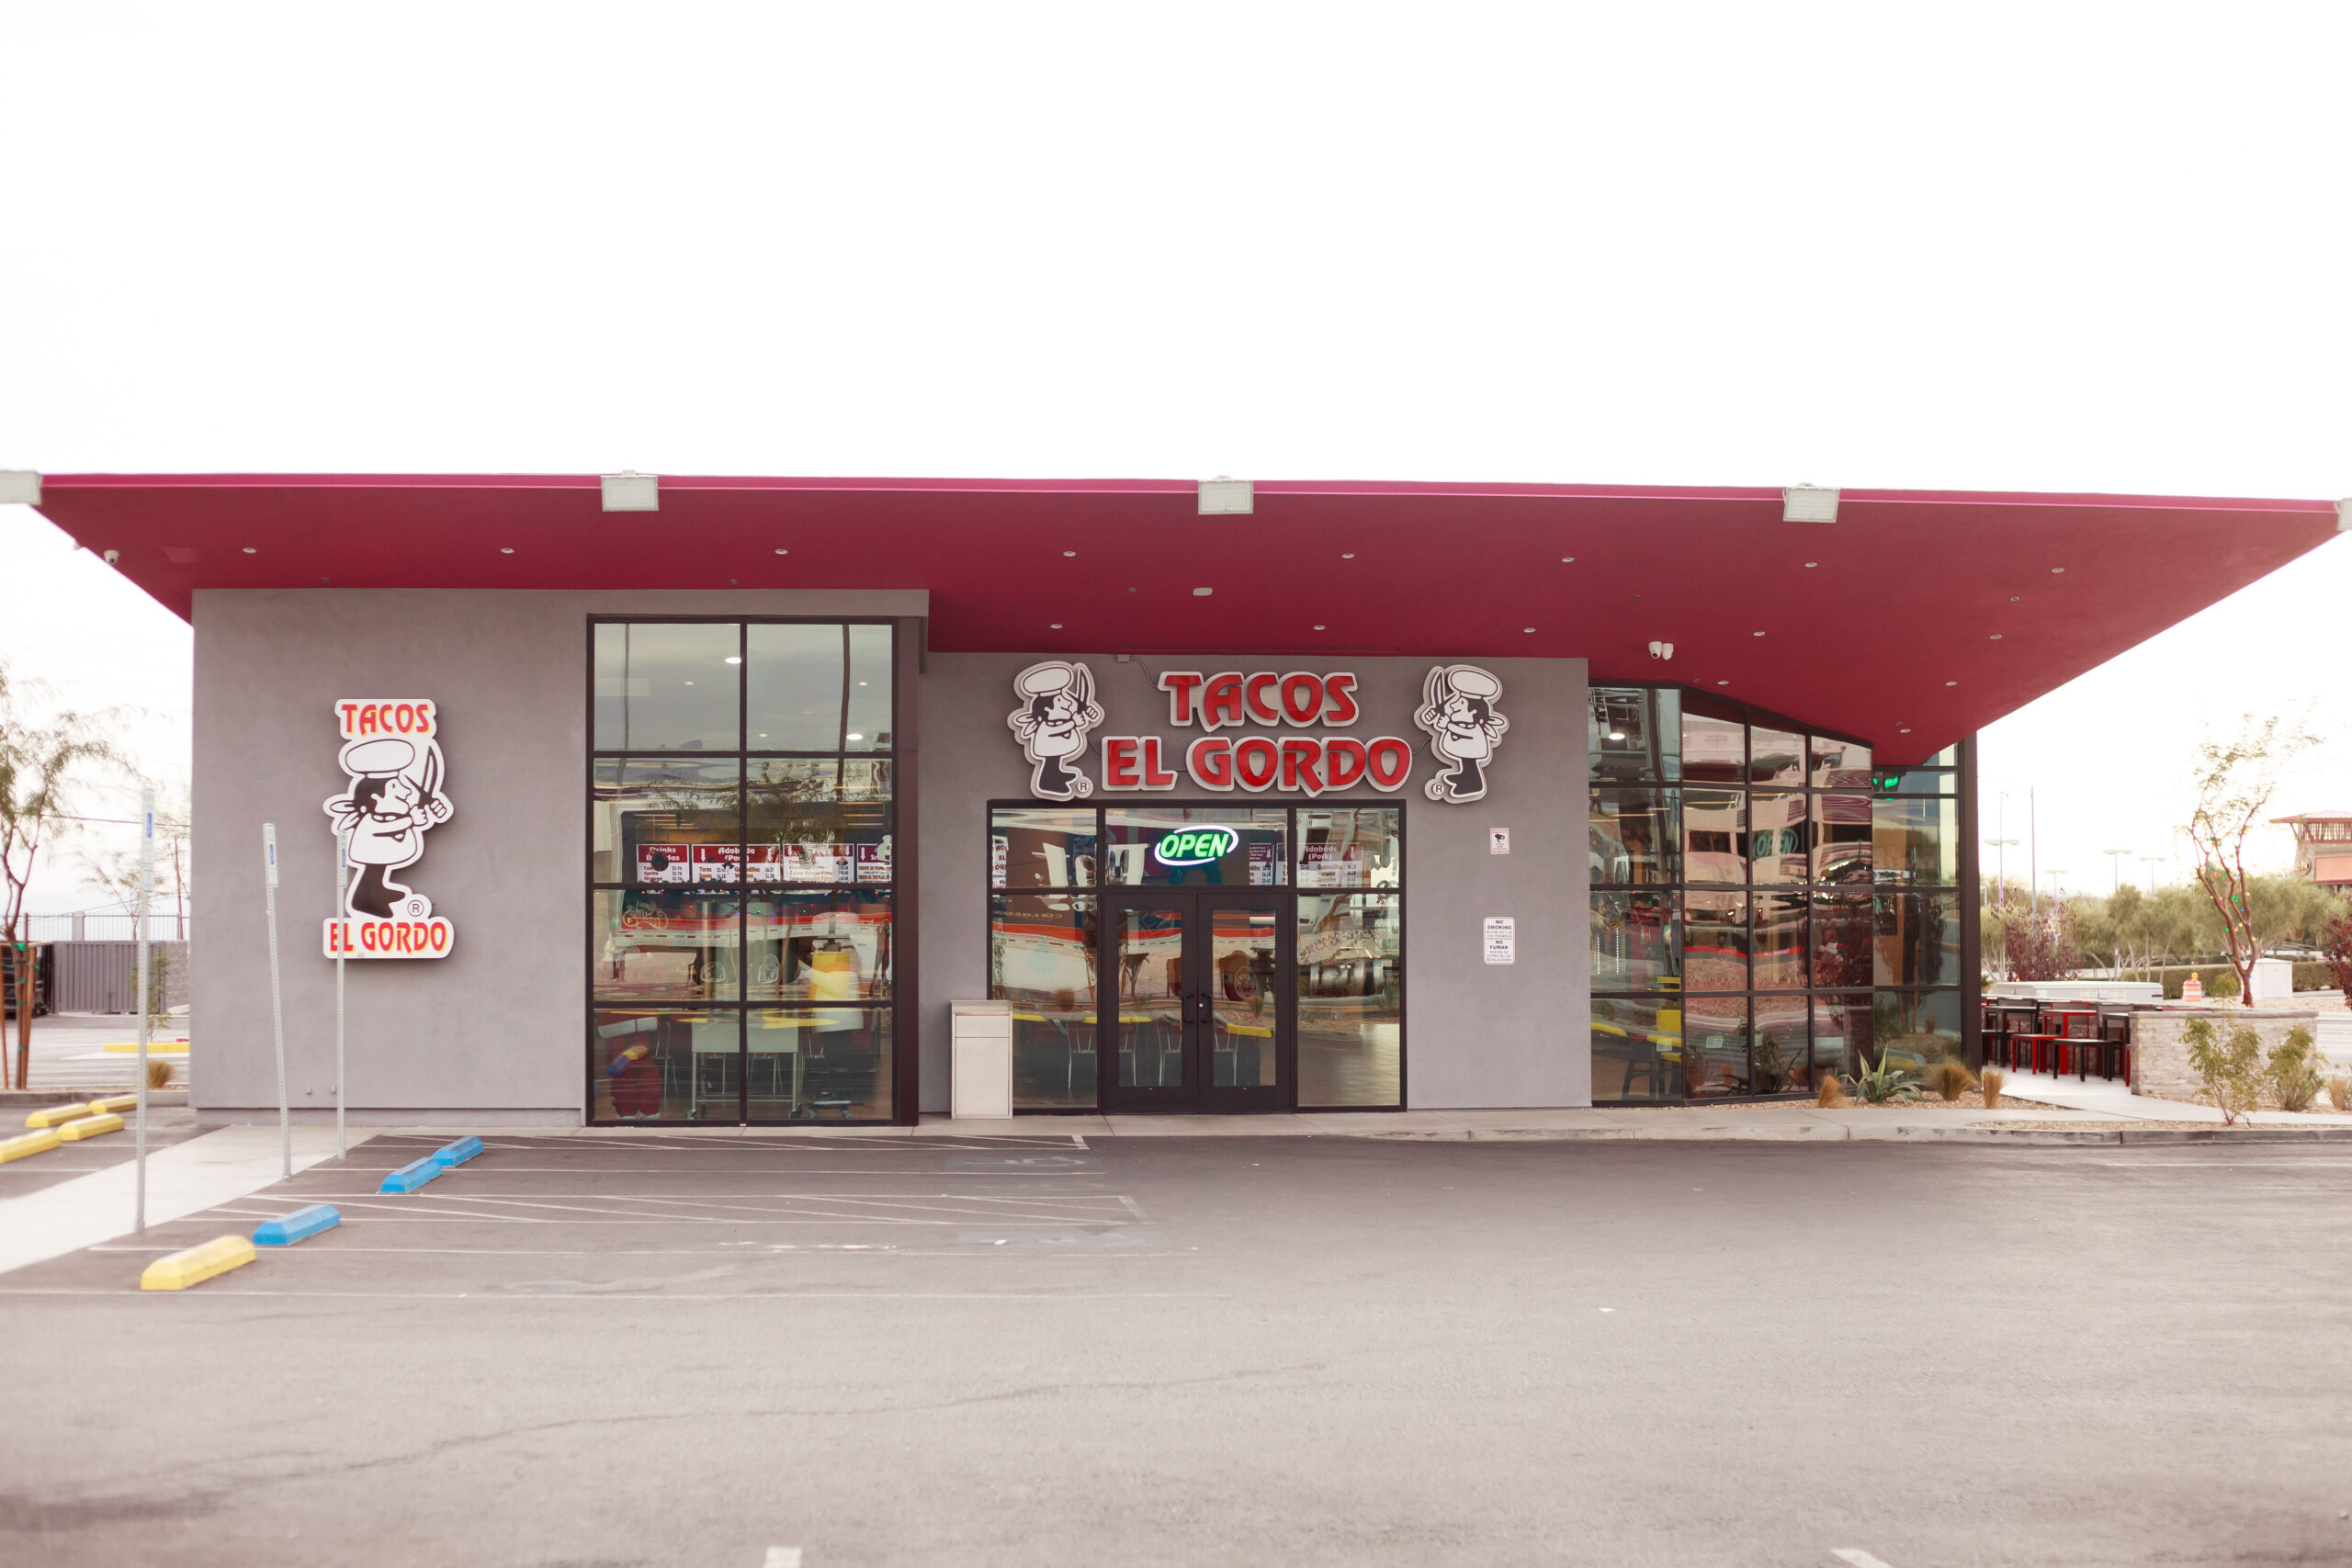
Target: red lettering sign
(1156, 776)
(1182, 687)
(1339, 704)
(1390, 761)
(1343, 762)
(1221, 703)
(1120, 768)
(1210, 762)
(1255, 762)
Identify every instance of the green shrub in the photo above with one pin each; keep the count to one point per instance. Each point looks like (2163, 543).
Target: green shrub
(2293, 1071)
(2233, 1072)
(1883, 1082)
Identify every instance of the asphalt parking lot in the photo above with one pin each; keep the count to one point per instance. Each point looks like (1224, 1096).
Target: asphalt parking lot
(581, 1350)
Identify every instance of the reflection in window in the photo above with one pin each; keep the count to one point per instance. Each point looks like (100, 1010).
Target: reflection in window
(816, 1063)
(1041, 959)
(1714, 836)
(818, 688)
(1918, 1027)
(1714, 1060)
(1635, 734)
(1842, 838)
(667, 686)
(819, 821)
(641, 1064)
(1206, 846)
(1713, 749)
(1775, 756)
(1350, 999)
(1780, 962)
(1917, 841)
(653, 946)
(1777, 838)
(663, 820)
(1779, 1061)
(1350, 847)
(1714, 942)
(1841, 940)
(1634, 947)
(1041, 847)
(1842, 1033)
(1916, 945)
(1637, 837)
(1637, 1048)
(829, 946)
(1840, 764)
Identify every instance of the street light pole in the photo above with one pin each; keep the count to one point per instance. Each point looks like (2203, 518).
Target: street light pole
(2115, 863)
(2152, 862)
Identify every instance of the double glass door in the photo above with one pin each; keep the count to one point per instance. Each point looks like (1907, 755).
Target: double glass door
(1197, 983)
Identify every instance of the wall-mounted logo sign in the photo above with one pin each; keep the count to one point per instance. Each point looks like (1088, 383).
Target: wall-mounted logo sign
(1195, 846)
(393, 762)
(1057, 712)
(1464, 727)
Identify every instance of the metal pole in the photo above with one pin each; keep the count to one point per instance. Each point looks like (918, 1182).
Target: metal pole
(276, 1004)
(2033, 850)
(146, 1009)
(342, 933)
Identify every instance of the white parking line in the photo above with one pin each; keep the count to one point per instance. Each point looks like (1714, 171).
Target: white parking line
(1857, 1556)
(782, 1557)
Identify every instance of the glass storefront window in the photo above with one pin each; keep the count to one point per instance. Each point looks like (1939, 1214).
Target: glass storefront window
(1917, 841)
(1780, 1061)
(1713, 749)
(1350, 958)
(1842, 1032)
(1775, 757)
(1637, 1048)
(1212, 846)
(1041, 959)
(1042, 848)
(818, 688)
(816, 1063)
(1840, 764)
(1351, 847)
(667, 686)
(815, 821)
(1780, 962)
(1714, 942)
(656, 820)
(1635, 734)
(1918, 938)
(1634, 946)
(1917, 1028)
(1841, 839)
(1777, 838)
(1842, 954)
(651, 946)
(818, 946)
(642, 1064)
(1714, 836)
(1637, 837)
(1918, 783)
(1714, 1046)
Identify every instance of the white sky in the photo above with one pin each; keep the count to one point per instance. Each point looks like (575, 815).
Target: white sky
(2043, 247)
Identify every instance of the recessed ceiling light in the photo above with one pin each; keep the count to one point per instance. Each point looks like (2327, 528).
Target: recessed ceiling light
(1057, 625)
(854, 735)
(250, 550)
(1565, 559)
(1067, 554)
(1760, 634)
(690, 683)
(861, 683)
(1527, 628)
(1347, 554)
(1903, 731)
(1203, 592)
(1952, 683)
(1616, 734)
(2013, 598)
(1723, 683)
(764, 735)
(734, 658)
(2057, 568)
(783, 552)
(1997, 637)
(1318, 627)
(1812, 563)
(506, 549)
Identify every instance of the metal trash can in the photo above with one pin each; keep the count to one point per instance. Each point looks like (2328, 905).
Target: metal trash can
(981, 1047)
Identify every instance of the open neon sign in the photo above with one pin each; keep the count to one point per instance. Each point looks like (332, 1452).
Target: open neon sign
(1195, 846)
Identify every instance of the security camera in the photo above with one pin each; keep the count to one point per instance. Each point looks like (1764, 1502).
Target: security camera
(114, 556)
(1661, 650)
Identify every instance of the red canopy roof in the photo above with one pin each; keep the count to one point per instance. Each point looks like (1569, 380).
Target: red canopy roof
(1915, 618)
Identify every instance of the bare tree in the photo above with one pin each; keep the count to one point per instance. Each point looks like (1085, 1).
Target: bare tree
(41, 763)
(2232, 784)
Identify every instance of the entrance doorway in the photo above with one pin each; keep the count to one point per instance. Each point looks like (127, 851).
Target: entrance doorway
(1196, 991)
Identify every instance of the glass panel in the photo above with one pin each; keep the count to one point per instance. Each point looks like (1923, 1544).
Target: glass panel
(1947, 758)
(819, 946)
(1917, 945)
(1777, 839)
(1350, 847)
(1041, 849)
(1637, 1048)
(666, 946)
(1713, 748)
(1637, 837)
(1714, 836)
(1210, 846)
(661, 821)
(1635, 735)
(1243, 1001)
(818, 688)
(667, 686)
(1928, 783)
(1634, 944)
(1779, 1062)
(1775, 756)
(1150, 956)
(819, 821)
(1842, 1030)
(1840, 764)
(1779, 944)
(818, 1063)
(1917, 840)
(1041, 959)
(1841, 940)
(1841, 837)
(1350, 999)
(642, 1064)
(1714, 1060)
(1714, 942)
(1918, 1027)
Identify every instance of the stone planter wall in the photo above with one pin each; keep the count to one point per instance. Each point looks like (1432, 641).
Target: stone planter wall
(2160, 1057)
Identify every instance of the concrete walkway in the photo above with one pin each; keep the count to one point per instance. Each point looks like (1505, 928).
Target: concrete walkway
(2097, 1095)
(184, 1178)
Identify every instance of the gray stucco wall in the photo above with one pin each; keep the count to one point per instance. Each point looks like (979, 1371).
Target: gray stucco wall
(1476, 1034)
(494, 1032)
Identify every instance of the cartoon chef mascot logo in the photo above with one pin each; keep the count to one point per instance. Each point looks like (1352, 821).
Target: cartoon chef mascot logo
(1057, 712)
(1458, 710)
(393, 798)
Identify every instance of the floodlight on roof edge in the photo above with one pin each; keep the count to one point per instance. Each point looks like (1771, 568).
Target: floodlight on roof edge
(1223, 497)
(1809, 503)
(629, 491)
(20, 487)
